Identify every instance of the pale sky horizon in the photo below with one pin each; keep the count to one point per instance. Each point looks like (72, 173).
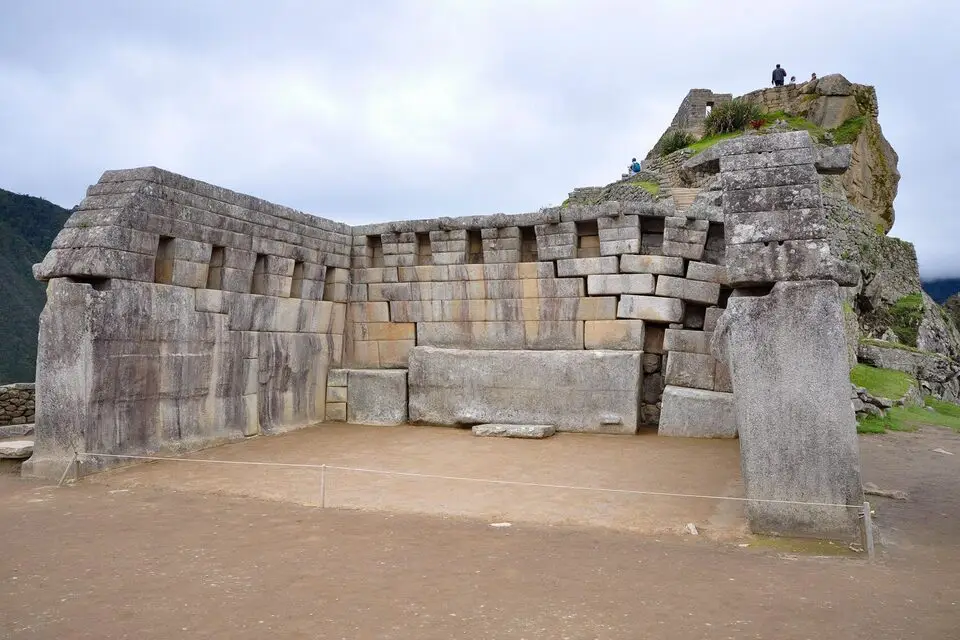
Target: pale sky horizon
(418, 108)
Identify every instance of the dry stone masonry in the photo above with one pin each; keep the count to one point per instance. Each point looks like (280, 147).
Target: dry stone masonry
(181, 315)
(17, 404)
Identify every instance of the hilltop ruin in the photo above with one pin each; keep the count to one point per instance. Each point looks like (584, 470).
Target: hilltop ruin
(181, 315)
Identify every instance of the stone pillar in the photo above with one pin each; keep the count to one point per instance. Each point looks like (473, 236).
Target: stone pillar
(782, 338)
(786, 352)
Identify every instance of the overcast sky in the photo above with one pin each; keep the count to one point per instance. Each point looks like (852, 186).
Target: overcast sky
(382, 110)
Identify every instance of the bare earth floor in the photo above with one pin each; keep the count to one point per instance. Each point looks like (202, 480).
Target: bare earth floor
(646, 462)
(121, 555)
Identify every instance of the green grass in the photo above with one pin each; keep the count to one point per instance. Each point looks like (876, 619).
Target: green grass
(796, 123)
(905, 315)
(884, 383)
(944, 414)
(708, 141)
(650, 187)
(849, 131)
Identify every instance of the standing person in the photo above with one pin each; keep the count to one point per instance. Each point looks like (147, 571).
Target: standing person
(778, 76)
(634, 166)
(813, 77)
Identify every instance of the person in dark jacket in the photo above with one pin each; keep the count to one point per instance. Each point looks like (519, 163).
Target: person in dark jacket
(778, 76)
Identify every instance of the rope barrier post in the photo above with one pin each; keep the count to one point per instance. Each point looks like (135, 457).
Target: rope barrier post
(66, 470)
(323, 486)
(868, 531)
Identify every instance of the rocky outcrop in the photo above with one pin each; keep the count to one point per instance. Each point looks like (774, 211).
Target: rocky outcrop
(952, 307)
(938, 375)
(851, 110)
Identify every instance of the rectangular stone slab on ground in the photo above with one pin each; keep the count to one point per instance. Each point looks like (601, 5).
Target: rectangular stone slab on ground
(531, 431)
(586, 391)
(786, 352)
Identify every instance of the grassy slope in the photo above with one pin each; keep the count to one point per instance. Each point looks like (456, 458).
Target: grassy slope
(27, 227)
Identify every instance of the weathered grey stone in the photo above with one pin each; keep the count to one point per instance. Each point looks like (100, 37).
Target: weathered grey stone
(651, 264)
(532, 431)
(336, 412)
(690, 290)
(798, 439)
(923, 365)
(797, 196)
(650, 308)
(834, 160)
(707, 272)
(652, 388)
(687, 340)
(16, 449)
(614, 334)
(651, 362)
(766, 226)
(575, 390)
(587, 266)
(682, 250)
(376, 397)
(697, 413)
(769, 177)
(337, 378)
(764, 263)
(635, 283)
(694, 370)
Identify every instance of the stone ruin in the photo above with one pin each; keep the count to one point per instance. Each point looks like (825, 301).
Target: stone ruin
(181, 315)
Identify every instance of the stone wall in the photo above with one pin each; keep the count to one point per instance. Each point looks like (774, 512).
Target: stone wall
(17, 403)
(621, 276)
(180, 314)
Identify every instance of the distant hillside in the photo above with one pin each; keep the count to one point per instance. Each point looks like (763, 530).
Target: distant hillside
(27, 227)
(942, 289)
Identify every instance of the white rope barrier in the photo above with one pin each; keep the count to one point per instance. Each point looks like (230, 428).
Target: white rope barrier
(324, 467)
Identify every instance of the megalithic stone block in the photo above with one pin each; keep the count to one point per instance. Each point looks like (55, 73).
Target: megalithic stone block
(786, 353)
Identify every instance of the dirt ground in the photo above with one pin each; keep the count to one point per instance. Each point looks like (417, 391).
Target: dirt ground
(645, 462)
(125, 556)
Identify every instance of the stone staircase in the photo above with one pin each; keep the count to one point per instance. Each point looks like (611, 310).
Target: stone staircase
(682, 197)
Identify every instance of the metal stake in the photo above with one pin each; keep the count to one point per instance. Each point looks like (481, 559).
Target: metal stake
(323, 486)
(868, 531)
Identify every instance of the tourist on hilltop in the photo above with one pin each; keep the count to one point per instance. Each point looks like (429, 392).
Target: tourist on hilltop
(778, 76)
(793, 79)
(634, 167)
(813, 77)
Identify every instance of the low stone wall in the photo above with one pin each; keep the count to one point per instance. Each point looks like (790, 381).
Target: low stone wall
(17, 403)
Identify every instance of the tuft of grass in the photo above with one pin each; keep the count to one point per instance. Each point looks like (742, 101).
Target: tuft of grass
(884, 383)
(943, 408)
(849, 130)
(796, 123)
(730, 117)
(674, 141)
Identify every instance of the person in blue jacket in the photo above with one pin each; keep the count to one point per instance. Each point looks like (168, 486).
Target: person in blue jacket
(634, 166)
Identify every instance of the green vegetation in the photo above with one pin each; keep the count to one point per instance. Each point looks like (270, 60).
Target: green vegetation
(650, 187)
(890, 345)
(674, 141)
(883, 383)
(795, 123)
(708, 141)
(905, 316)
(27, 228)
(936, 413)
(730, 117)
(849, 131)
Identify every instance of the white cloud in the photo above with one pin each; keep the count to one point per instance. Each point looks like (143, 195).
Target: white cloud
(384, 110)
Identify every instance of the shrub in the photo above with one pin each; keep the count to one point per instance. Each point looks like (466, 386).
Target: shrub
(674, 141)
(728, 117)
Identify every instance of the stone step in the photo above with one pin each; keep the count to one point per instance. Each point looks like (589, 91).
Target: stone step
(16, 449)
(535, 431)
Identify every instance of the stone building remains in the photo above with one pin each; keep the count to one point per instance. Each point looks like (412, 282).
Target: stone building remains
(181, 315)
